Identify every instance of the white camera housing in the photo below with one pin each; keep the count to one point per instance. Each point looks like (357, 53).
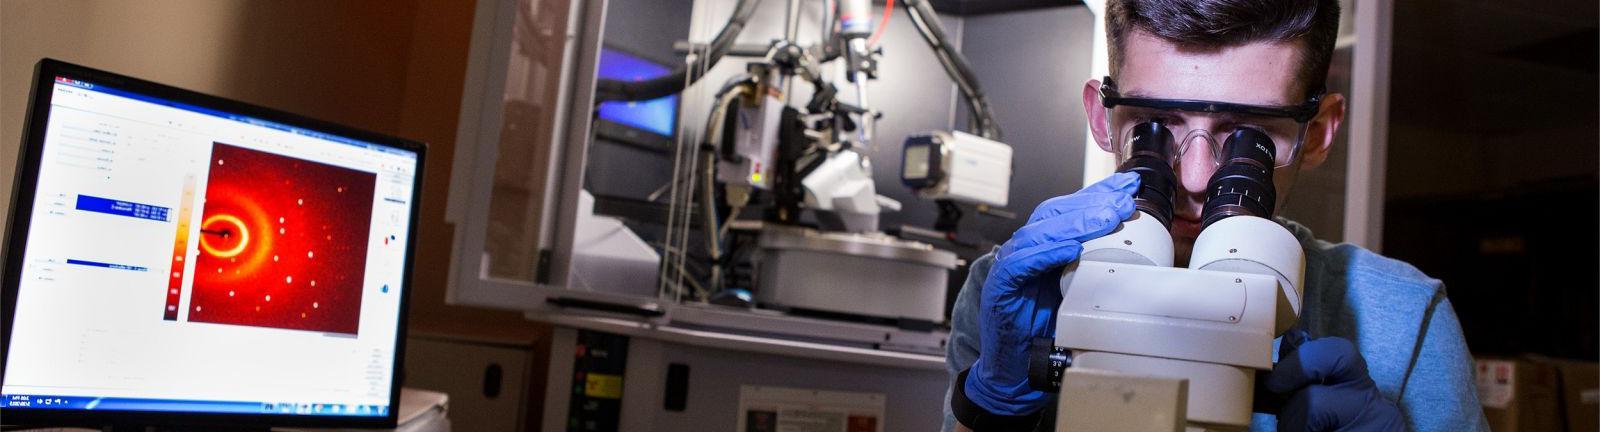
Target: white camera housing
(957, 166)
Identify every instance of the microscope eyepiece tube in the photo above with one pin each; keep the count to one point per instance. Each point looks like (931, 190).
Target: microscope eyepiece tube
(1150, 156)
(1146, 238)
(1242, 186)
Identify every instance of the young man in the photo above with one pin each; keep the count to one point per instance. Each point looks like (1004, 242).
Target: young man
(1378, 347)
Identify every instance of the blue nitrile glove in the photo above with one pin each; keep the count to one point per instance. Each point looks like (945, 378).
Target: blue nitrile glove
(1021, 294)
(1327, 386)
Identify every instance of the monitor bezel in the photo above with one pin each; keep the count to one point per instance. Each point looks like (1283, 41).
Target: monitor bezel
(24, 187)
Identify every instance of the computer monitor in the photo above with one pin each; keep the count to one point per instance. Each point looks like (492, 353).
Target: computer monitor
(649, 123)
(174, 258)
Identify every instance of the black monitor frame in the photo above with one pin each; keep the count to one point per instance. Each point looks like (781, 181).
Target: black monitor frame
(22, 202)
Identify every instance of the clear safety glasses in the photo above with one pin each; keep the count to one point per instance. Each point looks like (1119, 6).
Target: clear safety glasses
(1207, 121)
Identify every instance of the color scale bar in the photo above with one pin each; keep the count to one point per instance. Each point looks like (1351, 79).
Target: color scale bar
(175, 284)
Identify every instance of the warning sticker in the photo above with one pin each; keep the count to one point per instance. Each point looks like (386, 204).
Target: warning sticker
(1496, 383)
(777, 409)
(603, 386)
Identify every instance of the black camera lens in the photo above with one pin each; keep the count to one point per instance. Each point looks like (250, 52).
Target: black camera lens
(1150, 156)
(1242, 186)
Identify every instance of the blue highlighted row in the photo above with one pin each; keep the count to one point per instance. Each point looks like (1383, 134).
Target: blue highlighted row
(175, 405)
(122, 208)
(105, 265)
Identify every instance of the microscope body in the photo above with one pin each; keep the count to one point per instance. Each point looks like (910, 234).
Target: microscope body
(1133, 323)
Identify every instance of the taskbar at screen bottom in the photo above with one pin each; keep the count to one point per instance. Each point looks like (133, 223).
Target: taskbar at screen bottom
(56, 402)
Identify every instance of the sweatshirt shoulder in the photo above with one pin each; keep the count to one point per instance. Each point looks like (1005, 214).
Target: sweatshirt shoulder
(1356, 267)
(1360, 267)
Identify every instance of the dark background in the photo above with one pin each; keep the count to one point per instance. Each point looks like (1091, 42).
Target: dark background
(1492, 167)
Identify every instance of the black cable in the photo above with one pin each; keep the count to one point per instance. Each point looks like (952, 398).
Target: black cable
(927, 23)
(982, 120)
(683, 75)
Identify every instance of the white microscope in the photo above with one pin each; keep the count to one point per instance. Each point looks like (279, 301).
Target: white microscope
(1144, 346)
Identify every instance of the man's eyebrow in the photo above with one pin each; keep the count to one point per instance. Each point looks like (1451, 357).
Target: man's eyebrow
(1235, 117)
(1138, 94)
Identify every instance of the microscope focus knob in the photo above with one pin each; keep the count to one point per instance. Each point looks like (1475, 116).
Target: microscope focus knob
(1046, 364)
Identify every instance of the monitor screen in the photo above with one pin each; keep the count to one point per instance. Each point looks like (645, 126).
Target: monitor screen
(187, 259)
(658, 116)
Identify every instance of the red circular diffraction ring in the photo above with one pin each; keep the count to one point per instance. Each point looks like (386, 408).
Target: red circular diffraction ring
(224, 236)
(236, 234)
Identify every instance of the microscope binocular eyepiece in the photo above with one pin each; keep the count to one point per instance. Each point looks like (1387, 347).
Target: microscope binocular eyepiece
(1242, 185)
(1150, 156)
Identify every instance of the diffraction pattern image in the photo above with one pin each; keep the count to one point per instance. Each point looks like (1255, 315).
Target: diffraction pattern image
(283, 243)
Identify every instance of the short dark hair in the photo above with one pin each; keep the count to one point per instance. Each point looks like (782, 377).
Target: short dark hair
(1213, 24)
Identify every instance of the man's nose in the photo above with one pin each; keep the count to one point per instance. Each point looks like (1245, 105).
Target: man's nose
(1196, 166)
